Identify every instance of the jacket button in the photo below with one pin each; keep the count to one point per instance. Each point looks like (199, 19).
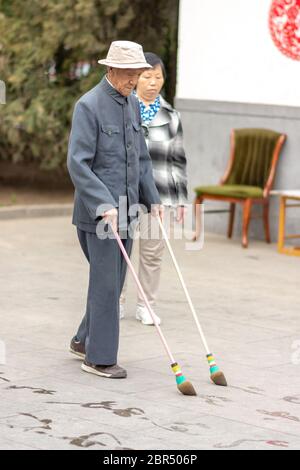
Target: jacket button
(128, 146)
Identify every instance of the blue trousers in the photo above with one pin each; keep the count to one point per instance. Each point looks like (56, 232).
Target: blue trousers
(99, 328)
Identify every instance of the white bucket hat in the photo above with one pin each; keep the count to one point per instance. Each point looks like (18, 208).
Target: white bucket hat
(125, 55)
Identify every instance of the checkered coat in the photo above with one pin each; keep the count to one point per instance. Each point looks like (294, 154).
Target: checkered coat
(164, 140)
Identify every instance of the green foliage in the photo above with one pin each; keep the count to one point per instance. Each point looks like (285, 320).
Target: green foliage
(35, 121)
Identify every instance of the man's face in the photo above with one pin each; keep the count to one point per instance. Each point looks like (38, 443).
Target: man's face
(124, 80)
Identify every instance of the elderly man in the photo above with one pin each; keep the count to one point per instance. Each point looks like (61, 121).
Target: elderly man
(107, 160)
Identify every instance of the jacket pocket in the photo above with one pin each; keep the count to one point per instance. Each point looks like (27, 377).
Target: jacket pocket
(109, 137)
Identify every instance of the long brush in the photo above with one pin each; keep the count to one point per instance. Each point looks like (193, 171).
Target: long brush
(183, 385)
(215, 374)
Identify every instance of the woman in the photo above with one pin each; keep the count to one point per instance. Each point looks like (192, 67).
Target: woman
(163, 133)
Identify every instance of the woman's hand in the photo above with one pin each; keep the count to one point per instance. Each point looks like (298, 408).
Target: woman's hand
(180, 213)
(158, 210)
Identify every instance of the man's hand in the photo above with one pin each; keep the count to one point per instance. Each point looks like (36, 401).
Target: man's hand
(180, 213)
(158, 210)
(111, 217)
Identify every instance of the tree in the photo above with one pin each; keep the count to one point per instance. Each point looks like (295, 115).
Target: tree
(46, 49)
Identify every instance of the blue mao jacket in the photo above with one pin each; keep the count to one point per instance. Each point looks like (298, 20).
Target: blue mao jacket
(107, 155)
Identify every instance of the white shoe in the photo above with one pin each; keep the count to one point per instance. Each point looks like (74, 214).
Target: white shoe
(144, 316)
(122, 311)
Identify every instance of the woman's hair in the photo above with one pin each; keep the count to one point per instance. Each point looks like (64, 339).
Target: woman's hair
(153, 60)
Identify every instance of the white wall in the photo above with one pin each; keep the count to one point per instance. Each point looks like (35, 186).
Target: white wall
(226, 54)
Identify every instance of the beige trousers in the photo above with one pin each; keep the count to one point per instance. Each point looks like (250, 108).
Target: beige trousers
(151, 247)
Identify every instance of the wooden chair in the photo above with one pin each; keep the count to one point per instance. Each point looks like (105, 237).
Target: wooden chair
(248, 178)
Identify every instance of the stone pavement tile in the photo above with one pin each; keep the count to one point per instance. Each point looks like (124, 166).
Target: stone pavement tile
(254, 410)
(279, 385)
(13, 445)
(290, 371)
(278, 321)
(238, 295)
(144, 345)
(272, 352)
(162, 364)
(10, 408)
(45, 358)
(32, 364)
(129, 326)
(23, 394)
(11, 374)
(147, 343)
(278, 314)
(59, 431)
(268, 352)
(230, 330)
(137, 380)
(251, 380)
(217, 433)
(74, 378)
(41, 390)
(271, 319)
(255, 333)
(39, 340)
(270, 314)
(215, 327)
(52, 394)
(110, 409)
(35, 429)
(34, 329)
(17, 345)
(132, 327)
(56, 430)
(35, 345)
(127, 416)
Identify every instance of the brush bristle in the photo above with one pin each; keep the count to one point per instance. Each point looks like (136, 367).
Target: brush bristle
(218, 378)
(186, 388)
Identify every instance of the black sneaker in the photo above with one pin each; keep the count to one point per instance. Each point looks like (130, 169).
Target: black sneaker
(110, 372)
(77, 348)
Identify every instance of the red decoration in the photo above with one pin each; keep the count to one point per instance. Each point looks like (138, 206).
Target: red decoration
(284, 22)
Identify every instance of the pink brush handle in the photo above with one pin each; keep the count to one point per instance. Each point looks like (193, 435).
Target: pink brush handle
(142, 293)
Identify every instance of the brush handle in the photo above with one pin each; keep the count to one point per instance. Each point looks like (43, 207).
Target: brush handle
(143, 294)
(183, 285)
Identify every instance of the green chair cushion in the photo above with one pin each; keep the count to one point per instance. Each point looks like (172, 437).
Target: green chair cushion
(230, 190)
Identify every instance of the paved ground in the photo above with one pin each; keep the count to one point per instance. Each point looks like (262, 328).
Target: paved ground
(249, 304)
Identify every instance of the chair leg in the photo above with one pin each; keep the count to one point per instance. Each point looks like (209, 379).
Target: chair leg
(231, 219)
(246, 220)
(197, 209)
(266, 222)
